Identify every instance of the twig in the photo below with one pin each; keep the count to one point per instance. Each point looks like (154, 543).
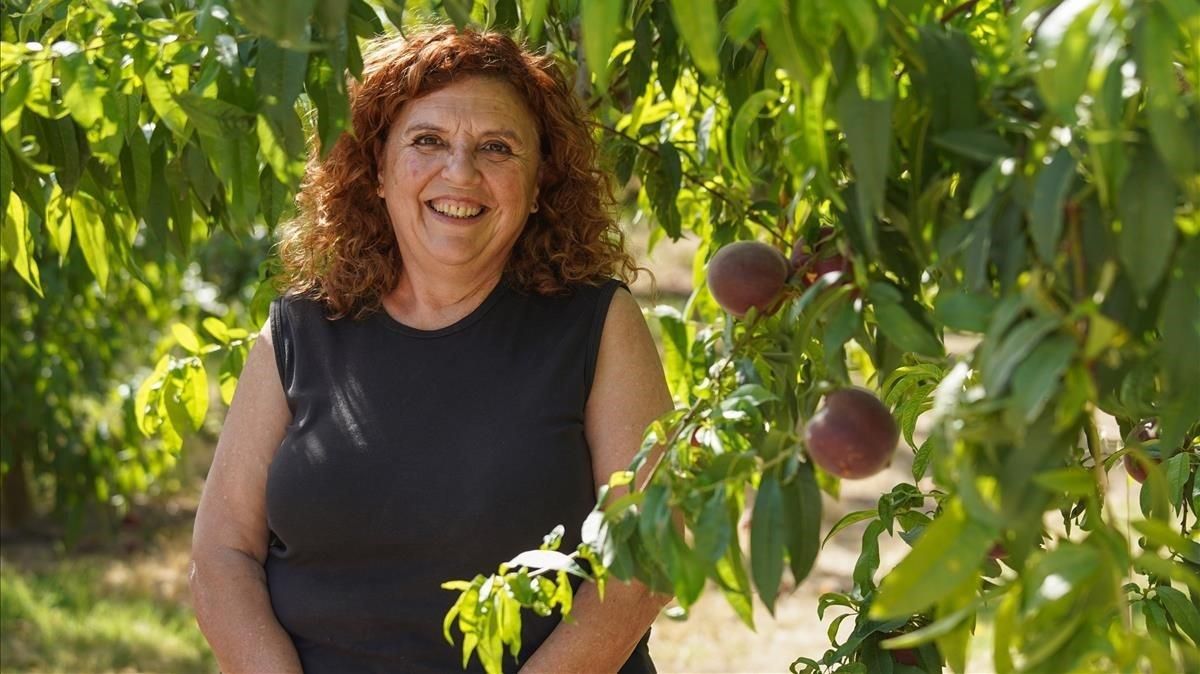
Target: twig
(678, 427)
(1093, 444)
(955, 11)
(700, 182)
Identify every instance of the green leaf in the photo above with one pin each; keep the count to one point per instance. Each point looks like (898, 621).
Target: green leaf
(135, 171)
(1067, 569)
(146, 400)
(850, 519)
(1179, 324)
(1076, 481)
(655, 517)
(731, 574)
(902, 321)
(194, 394)
(16, 87)
(601, 27)
(686, 571)
(1064, 46)
(767, 540)
(1005, 627)
(962, 310)
(62, 145)
(713, 530)
(326, 88)
(6, 176)
(802, 518)
(1159, 533)
(534, 13)
(868, 559)
(214, 117)
(1146, 207)
(459, 604)
(787, 48)
(981, 145)
(459, 11)
(859, 20)
(279, 75)
(1020, 341)
(1050, 190)
(217, 328)
(741, 132)
(86, 218)
(1177, 470)
(949, 80)
(867, 124)
(18, 245)
(510, 617)
(1036, 378)
(666, 190)
(940, 627)
(944, 556)
(1152, 563)
(58, 222)
(697, 23)
(235, 162)
(231, 369)
(282, 143)
(176, 395)
(921, 459)
(1181, 610)
(1156, 39)
(82, 94)
(285, 21)
(162, 99)
(186, 338)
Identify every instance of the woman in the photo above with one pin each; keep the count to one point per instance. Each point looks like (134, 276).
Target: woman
(451, 374)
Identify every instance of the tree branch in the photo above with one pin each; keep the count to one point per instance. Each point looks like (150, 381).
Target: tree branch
(700, 182)
(955, 11)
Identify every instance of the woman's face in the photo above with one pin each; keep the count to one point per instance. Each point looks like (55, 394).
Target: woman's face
(459, 174)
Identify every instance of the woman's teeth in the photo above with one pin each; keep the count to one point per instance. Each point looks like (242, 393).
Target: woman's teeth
(456, 210)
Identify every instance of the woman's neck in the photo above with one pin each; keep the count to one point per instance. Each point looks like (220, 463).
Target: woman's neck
(428, 301)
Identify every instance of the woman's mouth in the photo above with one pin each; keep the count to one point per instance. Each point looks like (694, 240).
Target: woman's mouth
(456, 210)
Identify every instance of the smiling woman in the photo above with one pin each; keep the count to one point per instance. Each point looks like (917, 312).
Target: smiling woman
(459, 176)
(454, 367)
(450, 98)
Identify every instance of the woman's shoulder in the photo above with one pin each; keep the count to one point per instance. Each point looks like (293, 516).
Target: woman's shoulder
(587, 288)
(297, 304)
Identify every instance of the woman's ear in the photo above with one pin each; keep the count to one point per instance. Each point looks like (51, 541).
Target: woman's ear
(380, 165)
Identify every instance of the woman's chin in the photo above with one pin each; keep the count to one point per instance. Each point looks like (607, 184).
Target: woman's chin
(456, 254)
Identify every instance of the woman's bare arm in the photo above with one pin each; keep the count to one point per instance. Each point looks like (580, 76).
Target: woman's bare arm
(229, 543)
(628, 392)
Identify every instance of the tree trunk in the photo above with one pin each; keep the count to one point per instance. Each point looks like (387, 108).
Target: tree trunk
(16, 502)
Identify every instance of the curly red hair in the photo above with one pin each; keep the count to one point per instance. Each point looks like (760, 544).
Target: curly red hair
(341, 248)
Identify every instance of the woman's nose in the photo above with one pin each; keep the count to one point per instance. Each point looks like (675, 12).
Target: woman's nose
(460, 167)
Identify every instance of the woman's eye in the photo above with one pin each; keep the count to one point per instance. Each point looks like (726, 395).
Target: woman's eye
(497, 147)
(426, 140)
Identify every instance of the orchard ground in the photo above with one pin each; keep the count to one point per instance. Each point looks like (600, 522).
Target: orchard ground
(123, 605)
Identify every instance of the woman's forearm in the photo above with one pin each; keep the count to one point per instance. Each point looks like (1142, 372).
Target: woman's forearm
(233, 609)
(602, 634)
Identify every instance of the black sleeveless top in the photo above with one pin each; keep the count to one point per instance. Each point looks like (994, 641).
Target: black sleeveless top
(419, 456)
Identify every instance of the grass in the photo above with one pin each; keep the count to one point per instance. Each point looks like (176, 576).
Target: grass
(97, 613)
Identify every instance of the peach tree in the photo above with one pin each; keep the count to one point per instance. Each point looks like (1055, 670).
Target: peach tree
(869, 182)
